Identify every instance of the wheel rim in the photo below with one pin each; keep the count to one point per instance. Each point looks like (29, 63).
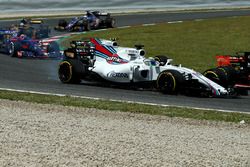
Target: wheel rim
(166, 83)
(212, 76)
(11, 49)
(65, 72)
(112, 23)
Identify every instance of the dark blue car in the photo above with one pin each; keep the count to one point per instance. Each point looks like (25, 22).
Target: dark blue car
(91, 20)
(6, 46)
(17, 44)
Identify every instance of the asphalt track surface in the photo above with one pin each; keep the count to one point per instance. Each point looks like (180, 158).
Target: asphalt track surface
(41, 75)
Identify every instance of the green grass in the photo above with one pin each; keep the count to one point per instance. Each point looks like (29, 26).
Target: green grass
(193, 44)
(126, 107)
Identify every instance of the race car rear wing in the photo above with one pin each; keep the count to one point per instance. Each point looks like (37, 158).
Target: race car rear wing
(241, 62)
(75, 44)
(240, 59)
(79, 48)
(98, 13)
(103, 14)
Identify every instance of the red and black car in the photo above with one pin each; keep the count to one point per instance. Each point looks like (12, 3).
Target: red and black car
(232, 71)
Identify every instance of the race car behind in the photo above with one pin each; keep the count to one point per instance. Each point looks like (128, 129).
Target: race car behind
(91, 20)
(232, 71)
(23, 46)
(103, 61)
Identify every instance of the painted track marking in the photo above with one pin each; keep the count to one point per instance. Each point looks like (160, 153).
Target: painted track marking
(122, 101)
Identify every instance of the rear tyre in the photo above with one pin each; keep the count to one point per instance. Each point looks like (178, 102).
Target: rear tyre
(62, 23)
(111, 22)
(86, 26)
(214, 75)
(169, 81)
(67, 72)
(231, 74)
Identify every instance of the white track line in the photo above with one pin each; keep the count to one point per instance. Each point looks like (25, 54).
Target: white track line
(174, 22)
(123, 101)
(199, 19)
(151, 24)
(99, 30)
(124, 27)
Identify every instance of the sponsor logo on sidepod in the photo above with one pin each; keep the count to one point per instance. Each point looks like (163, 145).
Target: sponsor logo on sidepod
(115, 59)
(113, 74)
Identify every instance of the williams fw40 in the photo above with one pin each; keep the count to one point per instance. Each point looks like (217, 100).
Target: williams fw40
(98, 60)
(92, 20)
(232, 72)
(22, 46)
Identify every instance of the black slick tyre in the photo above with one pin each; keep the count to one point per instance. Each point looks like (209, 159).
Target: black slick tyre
(230, 73)
(67, 73)
(110, 22)
(169, 82)
(86, 26)
(10, 49)
(214, 75)
(224, 76)
(14, 49)
(62, 23)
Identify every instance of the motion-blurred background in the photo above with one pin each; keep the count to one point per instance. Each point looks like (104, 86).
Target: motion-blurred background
(51, 5)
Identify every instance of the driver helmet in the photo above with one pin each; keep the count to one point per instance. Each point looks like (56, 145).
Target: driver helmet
(22, 36)
(21, 24)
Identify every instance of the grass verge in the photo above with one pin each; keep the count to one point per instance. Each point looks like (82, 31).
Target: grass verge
(126, 107)
(193, 44)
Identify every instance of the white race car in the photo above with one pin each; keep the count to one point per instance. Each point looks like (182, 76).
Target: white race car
(99, 60)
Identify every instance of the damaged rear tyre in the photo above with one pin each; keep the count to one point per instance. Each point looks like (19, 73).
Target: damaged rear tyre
(67, 74)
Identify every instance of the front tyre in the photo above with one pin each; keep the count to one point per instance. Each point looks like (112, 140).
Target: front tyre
(224, 76)
(67, 74)
(169, 81)
(13, 49)
(215, 75)
(111, 23)
(10, 49)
